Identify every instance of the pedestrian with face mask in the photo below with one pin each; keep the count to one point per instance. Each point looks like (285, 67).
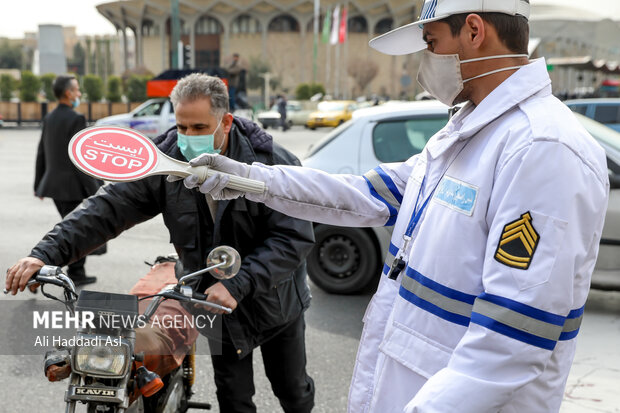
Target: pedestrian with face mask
(269, 295)
(496, 223)
(55, 176)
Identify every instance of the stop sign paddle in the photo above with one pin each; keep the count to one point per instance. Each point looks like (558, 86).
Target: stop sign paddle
(120, 155)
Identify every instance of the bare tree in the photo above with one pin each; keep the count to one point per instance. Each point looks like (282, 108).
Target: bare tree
(363, 71)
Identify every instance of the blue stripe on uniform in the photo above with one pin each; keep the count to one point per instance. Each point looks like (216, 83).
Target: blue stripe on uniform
(524, 309)
(440, 288)
(512, 332)
(432, 308)
(450, 309)
(569, 335)
(391, 209)
(390, 184)
(393, 249)
(576, 313)
(386, 269)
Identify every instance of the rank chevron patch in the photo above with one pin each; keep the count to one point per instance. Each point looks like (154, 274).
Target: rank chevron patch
(518, 243)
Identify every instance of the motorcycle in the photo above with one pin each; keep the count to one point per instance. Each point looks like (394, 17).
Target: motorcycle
(105, 371)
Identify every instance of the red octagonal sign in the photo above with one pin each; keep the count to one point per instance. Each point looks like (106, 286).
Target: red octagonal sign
(113, 154)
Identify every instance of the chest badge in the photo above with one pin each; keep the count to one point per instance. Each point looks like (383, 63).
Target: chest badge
(456, 195)
(518, 243)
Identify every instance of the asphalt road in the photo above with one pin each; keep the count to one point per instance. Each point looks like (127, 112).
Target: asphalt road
(333, 322)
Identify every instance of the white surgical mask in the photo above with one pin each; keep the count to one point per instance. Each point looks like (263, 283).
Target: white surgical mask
(440, 74)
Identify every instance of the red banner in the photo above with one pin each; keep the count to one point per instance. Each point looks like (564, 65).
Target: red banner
(342, 32)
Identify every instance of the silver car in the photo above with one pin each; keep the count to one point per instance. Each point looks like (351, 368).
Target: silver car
(348, 260)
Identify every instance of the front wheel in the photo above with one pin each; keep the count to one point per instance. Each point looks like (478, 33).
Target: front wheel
(172, 398)
(343, 260)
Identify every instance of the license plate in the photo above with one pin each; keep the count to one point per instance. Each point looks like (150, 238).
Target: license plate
(89, 391)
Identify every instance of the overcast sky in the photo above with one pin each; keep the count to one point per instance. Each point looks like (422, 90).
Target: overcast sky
(25, 15)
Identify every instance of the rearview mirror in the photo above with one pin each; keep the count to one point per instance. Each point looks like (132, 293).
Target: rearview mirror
(227, 255)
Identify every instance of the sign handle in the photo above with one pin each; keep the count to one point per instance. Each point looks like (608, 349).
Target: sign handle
(170, 166)
(236, 182)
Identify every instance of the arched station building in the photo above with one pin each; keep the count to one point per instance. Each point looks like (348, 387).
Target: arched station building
(280, 32)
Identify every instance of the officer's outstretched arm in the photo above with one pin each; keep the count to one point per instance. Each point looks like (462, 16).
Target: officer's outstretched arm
(314, 195)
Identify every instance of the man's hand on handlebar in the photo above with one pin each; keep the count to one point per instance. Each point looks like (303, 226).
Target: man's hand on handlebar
(218, 294)
(18, 275)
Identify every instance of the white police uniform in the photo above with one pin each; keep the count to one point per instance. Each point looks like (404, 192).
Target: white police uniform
(484, 316)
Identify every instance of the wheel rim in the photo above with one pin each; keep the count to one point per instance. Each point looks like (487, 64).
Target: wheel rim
(339, 256)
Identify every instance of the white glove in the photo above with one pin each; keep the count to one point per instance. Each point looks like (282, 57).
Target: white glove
(216, 185)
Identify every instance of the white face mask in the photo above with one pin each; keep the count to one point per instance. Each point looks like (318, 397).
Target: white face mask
(440, 74)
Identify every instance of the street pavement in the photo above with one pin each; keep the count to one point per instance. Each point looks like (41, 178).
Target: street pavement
(333, 322)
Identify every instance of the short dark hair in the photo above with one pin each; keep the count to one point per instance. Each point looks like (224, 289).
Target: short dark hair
(513, 31)
(61, 84)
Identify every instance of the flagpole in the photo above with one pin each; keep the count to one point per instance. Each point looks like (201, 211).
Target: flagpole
(325, 37)
(334, 41)
(346, 51)
(328, 50)
(317, 5)
(337, 76)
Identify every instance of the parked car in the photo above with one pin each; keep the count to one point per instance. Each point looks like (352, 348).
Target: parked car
(296, 114)
(605, 111)
(153, 117)
(606, 275)
(347, 260)
(331, 113)
(1, 121)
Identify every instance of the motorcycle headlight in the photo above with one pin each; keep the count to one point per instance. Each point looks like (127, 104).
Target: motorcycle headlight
(99, 359)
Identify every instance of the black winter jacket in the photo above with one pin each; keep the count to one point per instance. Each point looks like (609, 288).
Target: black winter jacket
(270, 288)
(55, 176)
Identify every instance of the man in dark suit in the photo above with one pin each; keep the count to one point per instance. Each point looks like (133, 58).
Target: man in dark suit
(56, 177)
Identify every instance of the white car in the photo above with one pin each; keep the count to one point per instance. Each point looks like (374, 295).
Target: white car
(296, 114)
(348, 260)
(152, 118)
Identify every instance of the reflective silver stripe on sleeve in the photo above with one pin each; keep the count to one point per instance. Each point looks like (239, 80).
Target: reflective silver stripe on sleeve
(381, 188)
(517, 320)
(389, 259)
(435, 298)
(572, 324)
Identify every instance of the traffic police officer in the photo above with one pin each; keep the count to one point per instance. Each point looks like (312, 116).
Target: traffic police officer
(496, 225)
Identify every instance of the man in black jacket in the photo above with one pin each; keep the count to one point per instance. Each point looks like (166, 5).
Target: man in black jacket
(269, 295)
(55, 176)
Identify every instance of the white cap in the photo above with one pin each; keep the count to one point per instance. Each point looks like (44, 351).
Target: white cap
(408, 39)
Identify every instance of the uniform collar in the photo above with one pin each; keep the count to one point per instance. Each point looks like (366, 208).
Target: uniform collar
(522, 85)
(469, 120)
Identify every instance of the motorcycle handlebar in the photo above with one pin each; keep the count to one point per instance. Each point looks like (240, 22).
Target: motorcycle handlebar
(195, 298)
(50, 274)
